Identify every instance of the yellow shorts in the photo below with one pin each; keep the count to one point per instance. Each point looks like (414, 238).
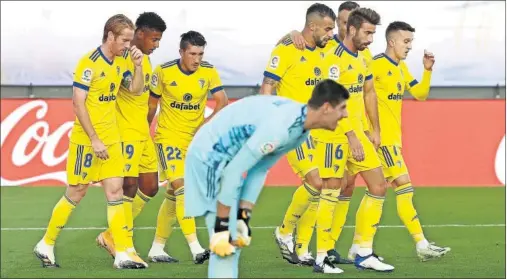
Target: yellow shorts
(393, 164)
(84, 167)
(171, 159)
(371, 160)
(139, 157)
(331, 158)
(301, 158)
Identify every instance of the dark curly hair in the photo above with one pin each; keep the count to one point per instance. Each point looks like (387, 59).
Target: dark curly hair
(150, 20)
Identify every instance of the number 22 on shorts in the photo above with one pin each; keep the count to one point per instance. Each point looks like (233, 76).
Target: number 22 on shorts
(173, 153)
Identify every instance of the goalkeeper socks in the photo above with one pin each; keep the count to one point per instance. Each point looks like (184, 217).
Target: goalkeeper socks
(325, 211)
(407, 212)
(304, 229)
(166, 219)
(118, 225)
(59, 217)
(139, 202)
(300, 202)
(187, 224)
(339, 217)
(369, 221)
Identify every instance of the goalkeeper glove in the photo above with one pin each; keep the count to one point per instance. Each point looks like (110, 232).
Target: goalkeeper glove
(244, 236)
(220, 242)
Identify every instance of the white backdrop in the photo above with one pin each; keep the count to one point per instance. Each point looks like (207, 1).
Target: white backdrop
(42, 41)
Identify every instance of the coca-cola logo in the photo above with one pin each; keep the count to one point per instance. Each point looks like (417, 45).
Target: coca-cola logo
(35, 140)
(34, 143)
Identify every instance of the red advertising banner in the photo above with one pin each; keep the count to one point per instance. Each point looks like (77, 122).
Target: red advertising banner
(446, 143)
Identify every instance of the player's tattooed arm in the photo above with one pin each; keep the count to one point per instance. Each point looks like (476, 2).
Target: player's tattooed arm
(268, 86)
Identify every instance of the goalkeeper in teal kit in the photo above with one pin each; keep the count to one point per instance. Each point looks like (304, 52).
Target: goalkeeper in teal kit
(229, 157)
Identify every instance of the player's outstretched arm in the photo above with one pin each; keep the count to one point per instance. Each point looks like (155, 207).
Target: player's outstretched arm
(420, 90)
(79, 104)
(370, 103)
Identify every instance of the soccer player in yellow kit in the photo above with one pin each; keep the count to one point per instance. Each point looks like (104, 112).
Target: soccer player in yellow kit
(182, 86)
(95, 152)
(348, 67)
(333, 179)
(132, 117)
(392, 78)
(293, 73)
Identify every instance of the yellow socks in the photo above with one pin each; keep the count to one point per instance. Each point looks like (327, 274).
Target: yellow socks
(339, 217)
(359, 216)
(300, 202)
(61, 213)
(187, 224)
(327, 204)
(407, 212)
(117, 224)
(305, 226)
(370, 219)
(129, 220)
(165, 219)
(138, 204)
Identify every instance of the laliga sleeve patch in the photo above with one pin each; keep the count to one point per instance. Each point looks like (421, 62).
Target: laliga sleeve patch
(87, 75)
(275, 61)
(268, 148)
(334, 72)
(154, 80)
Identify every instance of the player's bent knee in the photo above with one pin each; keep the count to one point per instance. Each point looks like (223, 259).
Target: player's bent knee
(176, 184)
(348, 190)
(374, 178)
(402, 180)
(148, 183)
(113, 188)
(313, 178)
(333, 183)
(130, 186)
(76, 192)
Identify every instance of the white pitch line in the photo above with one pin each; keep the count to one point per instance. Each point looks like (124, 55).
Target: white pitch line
(273, 227)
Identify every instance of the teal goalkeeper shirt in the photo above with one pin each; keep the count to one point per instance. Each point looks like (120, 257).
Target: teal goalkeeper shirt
(248, 136)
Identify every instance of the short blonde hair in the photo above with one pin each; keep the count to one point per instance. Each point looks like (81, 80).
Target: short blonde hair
(116, 24)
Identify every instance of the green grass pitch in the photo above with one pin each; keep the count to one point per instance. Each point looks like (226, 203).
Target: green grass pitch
(469, 220)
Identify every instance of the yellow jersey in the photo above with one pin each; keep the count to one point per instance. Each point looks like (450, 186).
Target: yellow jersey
(335, 42)
(366, 53)
(391, 79)
(132, 110)
(183, 99)
(297, 71)
(350, 70)
(101, 78)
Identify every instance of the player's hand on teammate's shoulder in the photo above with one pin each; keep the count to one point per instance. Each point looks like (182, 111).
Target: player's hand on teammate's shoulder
(428, 60)
(99, 148)
(298, 39)
(136, 55)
